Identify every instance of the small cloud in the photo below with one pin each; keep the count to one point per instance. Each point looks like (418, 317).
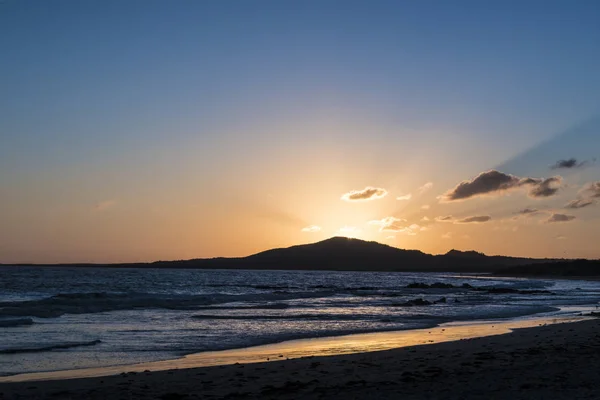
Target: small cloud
(404, 197)
(586, 197)
(569, 164)
(417, 227)
(311, 229)
(560, 218)
(495, 183)
(390, 237)
(475, 219)
(560, 237)
(546, 188)
(592, 190)
(579, 203)
(425, 207)
(447, 218)
(104, 205)
(527, 211)
(368, 193)
(447, 235)
(425, 187)
(391, 224)
(426, 219)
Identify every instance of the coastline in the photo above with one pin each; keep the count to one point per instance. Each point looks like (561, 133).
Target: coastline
(549, 361)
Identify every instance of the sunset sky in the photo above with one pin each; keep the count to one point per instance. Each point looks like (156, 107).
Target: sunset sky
(142, 130)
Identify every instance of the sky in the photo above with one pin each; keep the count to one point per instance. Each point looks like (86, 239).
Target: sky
(147, 130)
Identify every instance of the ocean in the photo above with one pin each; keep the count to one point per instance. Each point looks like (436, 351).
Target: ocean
(67, 318)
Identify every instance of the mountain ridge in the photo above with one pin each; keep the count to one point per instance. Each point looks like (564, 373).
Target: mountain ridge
(341, 254)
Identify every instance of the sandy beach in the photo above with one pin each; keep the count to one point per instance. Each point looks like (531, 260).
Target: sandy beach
(556, 361)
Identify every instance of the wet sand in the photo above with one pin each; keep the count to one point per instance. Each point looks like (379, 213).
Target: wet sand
(558, 361)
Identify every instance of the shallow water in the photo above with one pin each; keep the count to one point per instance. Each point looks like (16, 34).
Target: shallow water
(65, 318)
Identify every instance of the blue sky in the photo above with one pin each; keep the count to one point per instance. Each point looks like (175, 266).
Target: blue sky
(214, 105)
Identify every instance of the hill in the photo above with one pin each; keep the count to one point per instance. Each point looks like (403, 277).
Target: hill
(344, 254)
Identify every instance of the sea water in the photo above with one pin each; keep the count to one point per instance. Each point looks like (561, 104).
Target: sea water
(66, 318)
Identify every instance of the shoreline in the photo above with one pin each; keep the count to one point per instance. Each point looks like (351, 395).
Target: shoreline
(556, 361)
(356, 343)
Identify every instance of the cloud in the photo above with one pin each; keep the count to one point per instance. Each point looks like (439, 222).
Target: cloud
(425, 219)
(475, 219)
(579, 203)
(546, 188)
(569, 164)
(392, 237)
(447, 218)
(104, 205)
(586, 197)
(592, 190)
(391, 224)
(425, 187)
(425, 207)
(494, 182)
(368, 193)
(404, 197)
(527, 211)
(560, 218)
(560, 237)
(447, 235)
(311, 229)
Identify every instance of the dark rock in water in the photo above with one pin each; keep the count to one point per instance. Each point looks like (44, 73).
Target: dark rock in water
(494, 290)
(414, 302)
(440, 301)
(436, 285)
(466, 286)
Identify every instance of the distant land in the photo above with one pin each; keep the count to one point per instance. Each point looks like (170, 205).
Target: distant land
(345, 254)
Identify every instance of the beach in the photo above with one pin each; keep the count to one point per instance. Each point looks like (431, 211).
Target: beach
(549, 361)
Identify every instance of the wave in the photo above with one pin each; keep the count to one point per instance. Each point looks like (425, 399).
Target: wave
(291, 317)
(60, 346)
(11, 323)
(86, 303)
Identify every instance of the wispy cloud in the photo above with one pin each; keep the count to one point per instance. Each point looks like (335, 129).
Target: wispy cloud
(404, 197)
(579, 203)
(447, 235)
(560, 218)
(494, 183)
(569, 164)
(474, 219)
(391, 224)
(104, 205)
(588, 196)
(425, 187)
(311, 229)
(425, 207)
(368, 193)
(397, 225)
(528, 211)
(446, 218)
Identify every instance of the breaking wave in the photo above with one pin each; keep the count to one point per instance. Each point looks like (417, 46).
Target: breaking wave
(85, 303)
(59, 346)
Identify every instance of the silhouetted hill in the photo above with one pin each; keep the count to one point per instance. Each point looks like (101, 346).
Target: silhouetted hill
(340, 253)
(567, 268)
